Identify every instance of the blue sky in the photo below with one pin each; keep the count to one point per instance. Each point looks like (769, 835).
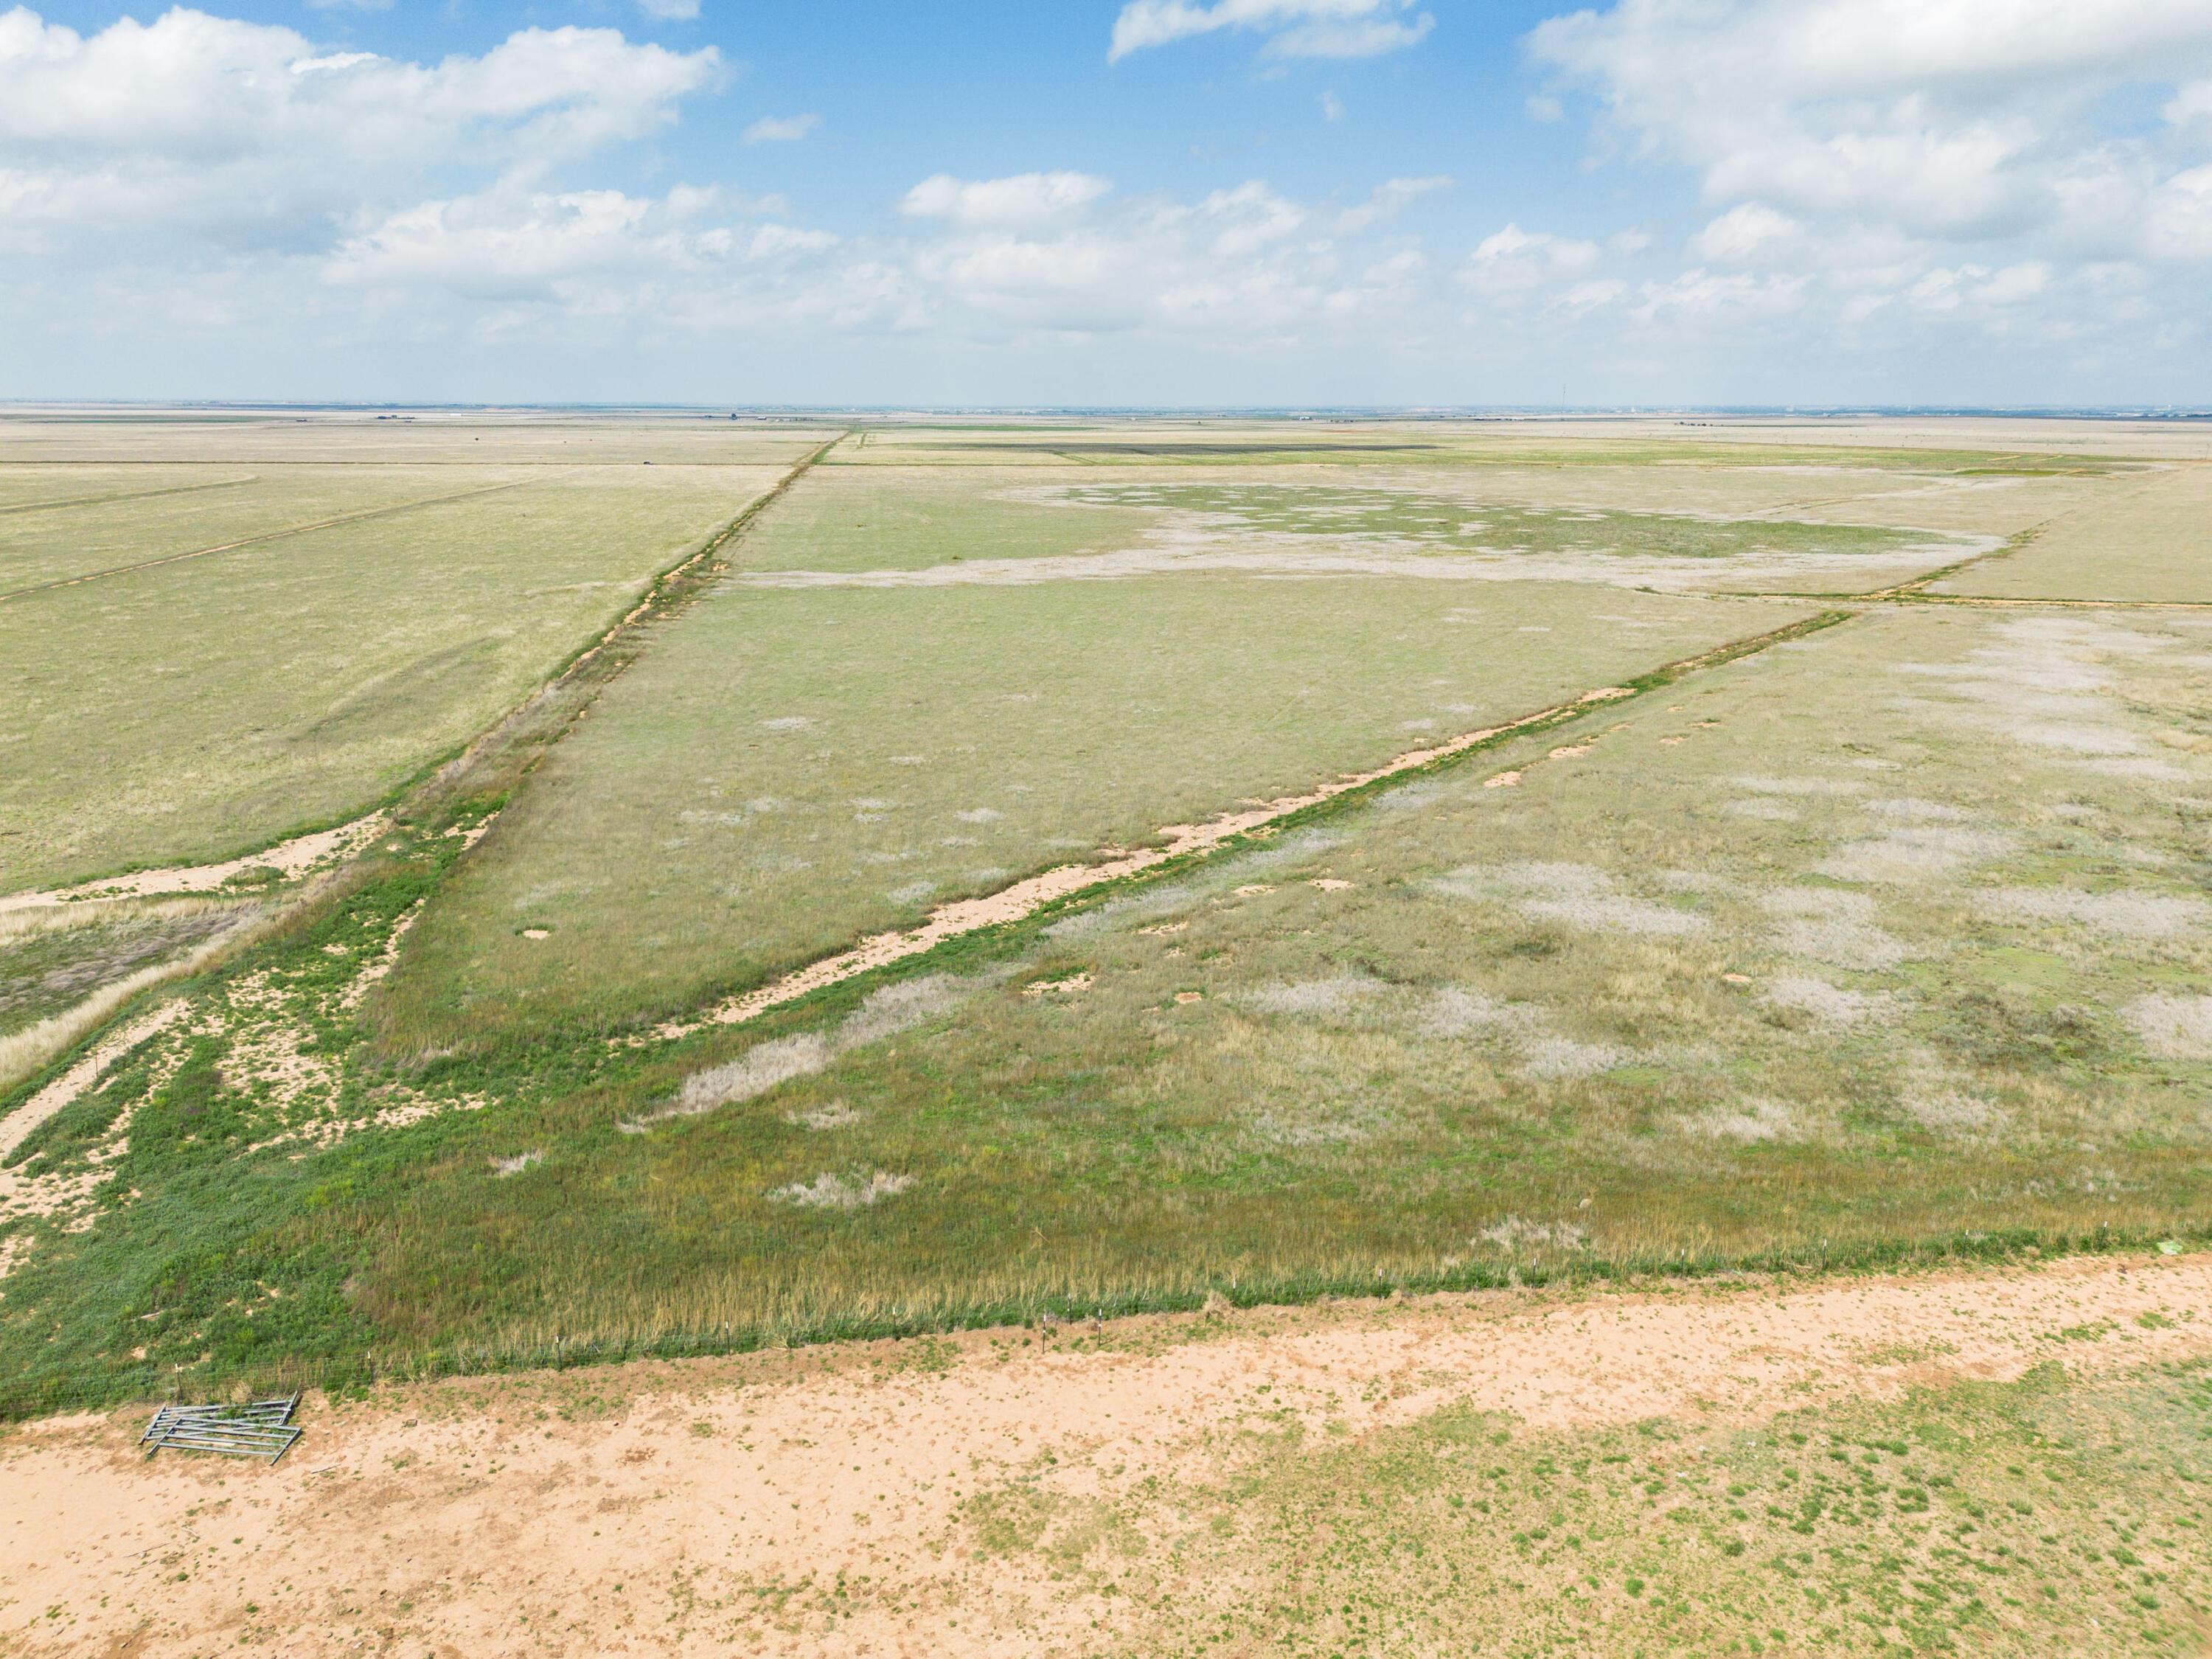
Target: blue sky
(1161, 202)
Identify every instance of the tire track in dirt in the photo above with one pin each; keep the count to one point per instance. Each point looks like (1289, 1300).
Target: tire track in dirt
(269, 535)
(618, 1506)
(124, 495)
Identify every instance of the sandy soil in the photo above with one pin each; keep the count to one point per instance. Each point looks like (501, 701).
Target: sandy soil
(668, 1509)
(16, 1126)
(290, 859)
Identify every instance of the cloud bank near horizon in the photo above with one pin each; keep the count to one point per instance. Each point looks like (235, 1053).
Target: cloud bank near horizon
(1875, 181)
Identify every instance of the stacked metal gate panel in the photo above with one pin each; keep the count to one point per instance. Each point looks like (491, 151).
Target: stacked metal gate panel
(261, 1429)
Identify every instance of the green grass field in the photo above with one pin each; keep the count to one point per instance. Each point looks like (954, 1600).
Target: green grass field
(784, 771)
(194, 710)
(1880, 940)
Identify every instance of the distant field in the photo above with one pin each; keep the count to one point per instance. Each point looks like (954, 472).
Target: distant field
(2148, 540)
(195, 709)
(52, 442)
(1884, 939)
(49, 542)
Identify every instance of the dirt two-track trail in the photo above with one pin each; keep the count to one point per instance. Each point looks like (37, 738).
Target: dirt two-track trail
(643, 1510)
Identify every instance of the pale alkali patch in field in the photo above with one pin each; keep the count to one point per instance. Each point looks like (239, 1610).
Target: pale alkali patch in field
(1520, 1238)
(1574, 895)
(1799, 787)
(1525, 1028)
(1914, 853)
(1555, 1057)
(1316, 999)
(2045, 684)
(884, 1012)
(756, 1071)
(1748, 1121)
(837, 1115)
(1951, 1111)
(831, 1191)
(2173, 1026)
(1829, 1005)
(1830, 925)
(2123, 915)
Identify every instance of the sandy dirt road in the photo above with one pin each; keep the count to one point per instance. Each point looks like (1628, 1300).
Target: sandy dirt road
(685, 1508)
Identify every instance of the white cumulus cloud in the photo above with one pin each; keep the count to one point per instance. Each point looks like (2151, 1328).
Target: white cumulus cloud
(243, 131)
(1389, 199)
(1514, 260)
(1294, 28)
(780, 129)
(1947, 119)
(1746, 232)
(1023, 199)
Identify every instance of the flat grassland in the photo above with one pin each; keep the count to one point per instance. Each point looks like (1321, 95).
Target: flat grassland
(917, 684)
(1844, 904)
(2146, 544)
(1876, 932)
(787, 770)
(186, 708)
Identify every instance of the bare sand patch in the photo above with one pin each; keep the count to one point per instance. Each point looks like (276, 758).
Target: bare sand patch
(290, 859)
(474, 1517)
(1067, 987)
(26, 1195)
